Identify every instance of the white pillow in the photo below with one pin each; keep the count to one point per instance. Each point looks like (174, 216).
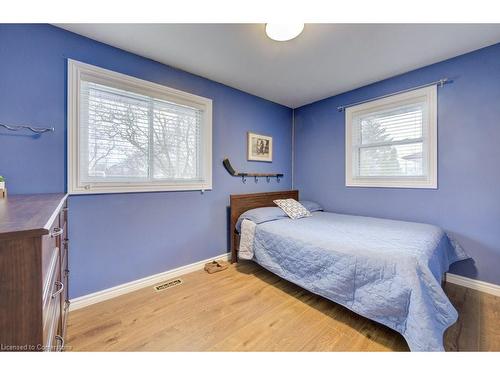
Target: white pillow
(292, 208)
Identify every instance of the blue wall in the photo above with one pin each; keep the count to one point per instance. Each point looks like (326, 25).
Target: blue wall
(121, 237)
(467, 202)
(117, 238)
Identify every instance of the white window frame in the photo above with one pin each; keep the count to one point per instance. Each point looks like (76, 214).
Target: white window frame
(429, 137)
(78, 71)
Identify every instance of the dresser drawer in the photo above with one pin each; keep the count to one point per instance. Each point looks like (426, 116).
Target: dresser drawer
(64, 294)
(52, 275)
(52, 312)
(63, 222)
(50, 242)
(52, 329)
(64, 265)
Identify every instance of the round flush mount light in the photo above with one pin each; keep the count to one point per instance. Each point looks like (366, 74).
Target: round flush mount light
(282, 32)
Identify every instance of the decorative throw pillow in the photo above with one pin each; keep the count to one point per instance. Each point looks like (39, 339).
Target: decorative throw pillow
(311, 206)
(292, 208)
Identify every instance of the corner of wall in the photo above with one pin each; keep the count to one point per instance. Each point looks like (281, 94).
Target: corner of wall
(293, 148)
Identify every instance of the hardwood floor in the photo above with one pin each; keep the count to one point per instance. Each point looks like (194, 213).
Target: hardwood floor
(247, 308)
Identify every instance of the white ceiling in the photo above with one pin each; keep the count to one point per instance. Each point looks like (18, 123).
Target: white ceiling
(325, 60)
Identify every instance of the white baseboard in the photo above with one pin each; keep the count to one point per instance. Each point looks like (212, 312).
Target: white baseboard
(103, 295)
(478, 285)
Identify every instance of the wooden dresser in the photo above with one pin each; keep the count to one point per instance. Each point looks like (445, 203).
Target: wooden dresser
(33, 272)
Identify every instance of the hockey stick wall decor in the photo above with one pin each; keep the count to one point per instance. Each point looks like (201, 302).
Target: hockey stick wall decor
(232, 172)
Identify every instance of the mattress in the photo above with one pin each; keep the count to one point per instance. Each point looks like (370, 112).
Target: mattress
(386, 270)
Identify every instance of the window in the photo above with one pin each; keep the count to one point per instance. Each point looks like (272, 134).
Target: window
(126, 134)
(392, 142)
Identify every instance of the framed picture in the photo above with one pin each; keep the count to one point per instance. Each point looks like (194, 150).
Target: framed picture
(260, 147)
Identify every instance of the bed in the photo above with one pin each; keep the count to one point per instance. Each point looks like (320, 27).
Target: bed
(386, 270)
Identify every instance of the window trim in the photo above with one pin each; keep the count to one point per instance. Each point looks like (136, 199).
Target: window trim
(426, 182)
(77, 70)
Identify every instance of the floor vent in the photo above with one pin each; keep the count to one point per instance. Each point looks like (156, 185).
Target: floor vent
(167, 284)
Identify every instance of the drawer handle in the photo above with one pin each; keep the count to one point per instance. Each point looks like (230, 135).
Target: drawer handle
(61, 340)
(58, 291)
(56, 232)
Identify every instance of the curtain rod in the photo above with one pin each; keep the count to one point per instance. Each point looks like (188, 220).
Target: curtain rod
(440, 82)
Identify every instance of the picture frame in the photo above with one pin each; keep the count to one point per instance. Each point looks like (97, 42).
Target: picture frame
(259, 147)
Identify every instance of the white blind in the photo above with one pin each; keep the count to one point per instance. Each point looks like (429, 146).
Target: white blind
(128, 137)
(390, 142)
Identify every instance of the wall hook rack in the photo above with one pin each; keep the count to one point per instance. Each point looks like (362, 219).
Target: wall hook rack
(244, 175)
(16, 128)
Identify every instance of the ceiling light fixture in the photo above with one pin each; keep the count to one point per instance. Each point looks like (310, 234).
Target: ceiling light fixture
(283, 32)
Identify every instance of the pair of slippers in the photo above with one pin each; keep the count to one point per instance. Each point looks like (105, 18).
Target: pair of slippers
(216, 266)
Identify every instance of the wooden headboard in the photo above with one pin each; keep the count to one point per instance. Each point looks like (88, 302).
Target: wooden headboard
(244, 202)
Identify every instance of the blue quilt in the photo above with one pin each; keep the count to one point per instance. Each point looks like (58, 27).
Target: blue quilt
(386, 270)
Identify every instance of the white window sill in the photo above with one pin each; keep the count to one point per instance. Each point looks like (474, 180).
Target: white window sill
(403, 184)
(110, 189)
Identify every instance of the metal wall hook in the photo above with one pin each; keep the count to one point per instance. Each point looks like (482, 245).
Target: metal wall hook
(244, 175)
(16, 128)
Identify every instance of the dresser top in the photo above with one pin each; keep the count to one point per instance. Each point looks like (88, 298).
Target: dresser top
(29, 215)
